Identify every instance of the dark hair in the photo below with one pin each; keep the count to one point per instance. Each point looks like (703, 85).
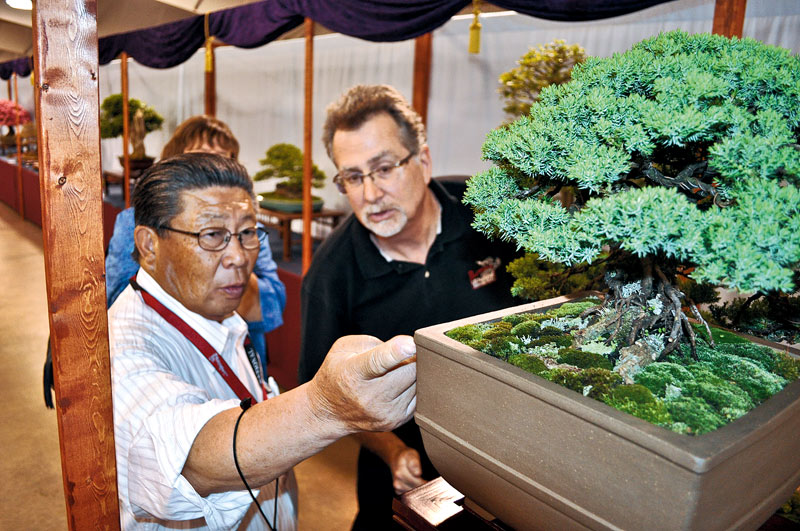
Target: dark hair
(156, 197)
(199, 130)
(362, 102)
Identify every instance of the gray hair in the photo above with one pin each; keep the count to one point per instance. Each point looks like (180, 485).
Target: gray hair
(156, 197)
(362, 102)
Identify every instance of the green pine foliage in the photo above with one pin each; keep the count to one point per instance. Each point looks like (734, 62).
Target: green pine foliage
(285, 161)
(684, 148)
(111, 116)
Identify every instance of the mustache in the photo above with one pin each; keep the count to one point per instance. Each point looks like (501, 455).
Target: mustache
(374, 209)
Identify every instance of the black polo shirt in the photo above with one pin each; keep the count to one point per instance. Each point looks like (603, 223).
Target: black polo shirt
(351, 288)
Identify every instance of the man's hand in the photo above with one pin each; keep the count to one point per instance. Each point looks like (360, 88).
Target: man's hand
(365, 384)
(406, 470)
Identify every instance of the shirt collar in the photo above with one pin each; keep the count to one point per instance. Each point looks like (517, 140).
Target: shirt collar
(217, 334)
(373, 264)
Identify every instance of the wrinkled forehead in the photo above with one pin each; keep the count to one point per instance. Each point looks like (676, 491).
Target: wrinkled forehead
(216, 205)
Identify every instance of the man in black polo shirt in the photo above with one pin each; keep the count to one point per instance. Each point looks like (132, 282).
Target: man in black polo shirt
(406, 259)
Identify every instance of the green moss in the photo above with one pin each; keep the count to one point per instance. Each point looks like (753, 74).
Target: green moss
(633, 393)
(730, 401)
(582, 359)
(526, 328)
(501, 347)
(572, 309)
(638, 401)
(787, 366)
(558, 340)
(527, 362)
(698, 415)
(550, 331)
(592, 382)
(498, 329)
(657, 376)
(720, 336)
(466, 333)
(516, 318)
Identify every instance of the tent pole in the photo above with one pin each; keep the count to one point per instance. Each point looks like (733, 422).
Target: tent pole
(423, 49)
(65, 55)
(126, 130)
(307, 125)
(210, 71)
(729, 17)
(8, 84)
(20, 195)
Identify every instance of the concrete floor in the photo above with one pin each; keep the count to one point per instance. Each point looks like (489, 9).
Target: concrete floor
(31, 492)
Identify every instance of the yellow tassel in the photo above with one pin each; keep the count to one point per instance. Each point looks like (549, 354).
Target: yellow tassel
(475, 30)
(210, 54)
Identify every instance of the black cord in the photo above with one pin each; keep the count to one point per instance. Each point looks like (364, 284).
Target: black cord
(245, 405)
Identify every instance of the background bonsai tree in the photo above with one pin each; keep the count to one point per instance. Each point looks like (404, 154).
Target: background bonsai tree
(683, 152)
(285, 161)
(545, 65)
(111, 121)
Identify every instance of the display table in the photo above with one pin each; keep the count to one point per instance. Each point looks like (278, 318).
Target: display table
(282, 221)
(436, 505)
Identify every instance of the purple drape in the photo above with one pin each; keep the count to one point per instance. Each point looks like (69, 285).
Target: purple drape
(254, 25)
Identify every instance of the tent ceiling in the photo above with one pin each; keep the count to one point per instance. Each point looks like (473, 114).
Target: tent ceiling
(113, 16)
(121, 16)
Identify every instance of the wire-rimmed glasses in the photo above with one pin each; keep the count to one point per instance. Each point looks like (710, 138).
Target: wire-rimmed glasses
(348, 181)
(217, 238)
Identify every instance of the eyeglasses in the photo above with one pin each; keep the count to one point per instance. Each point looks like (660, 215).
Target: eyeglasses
(216, 239)
(347, 181)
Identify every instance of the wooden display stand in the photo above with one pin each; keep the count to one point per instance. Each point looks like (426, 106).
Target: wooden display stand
(437, 506)
(282, 221)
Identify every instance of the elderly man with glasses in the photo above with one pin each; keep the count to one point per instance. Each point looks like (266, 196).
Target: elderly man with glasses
(406, 259)
(203, 441)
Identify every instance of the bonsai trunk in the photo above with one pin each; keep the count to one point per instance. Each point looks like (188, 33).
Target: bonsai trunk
(637, 309)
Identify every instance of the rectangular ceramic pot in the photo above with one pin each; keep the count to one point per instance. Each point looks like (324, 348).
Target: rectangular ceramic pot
(539, 456)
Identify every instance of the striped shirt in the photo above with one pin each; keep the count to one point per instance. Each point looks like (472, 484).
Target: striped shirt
(164, 391)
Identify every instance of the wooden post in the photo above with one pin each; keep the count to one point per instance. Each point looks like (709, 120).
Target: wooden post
(20, 195)
(211, 81)
(126, 130)
(65, 55)
(8, 85)
(729, 17)
(423, 50)
(307, 136)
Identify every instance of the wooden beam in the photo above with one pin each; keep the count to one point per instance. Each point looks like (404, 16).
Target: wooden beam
(126, 130)
(17, 128)
(729, 17)
(307, 137)
(65, 55)
(423, 51)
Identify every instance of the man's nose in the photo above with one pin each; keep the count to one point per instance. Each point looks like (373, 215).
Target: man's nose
(235, 255)
(372, 192)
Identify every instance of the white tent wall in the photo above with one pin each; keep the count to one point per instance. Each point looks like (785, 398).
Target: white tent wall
(261, 91)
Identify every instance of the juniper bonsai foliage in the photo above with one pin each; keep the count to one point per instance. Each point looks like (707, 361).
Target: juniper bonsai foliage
(684, 153)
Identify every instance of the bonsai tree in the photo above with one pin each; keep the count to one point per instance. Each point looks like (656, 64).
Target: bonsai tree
(285, 161)
(545, 65)
(684, 155)
(143, 120)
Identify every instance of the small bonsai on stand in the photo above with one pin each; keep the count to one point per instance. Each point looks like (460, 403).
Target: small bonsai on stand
(285, 161)
(143, 120)
(683, 153)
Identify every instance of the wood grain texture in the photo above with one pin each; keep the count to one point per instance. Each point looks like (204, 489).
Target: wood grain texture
(423, 51)
(126, 129)
(729, 17)
(307, 138)
(65, 55)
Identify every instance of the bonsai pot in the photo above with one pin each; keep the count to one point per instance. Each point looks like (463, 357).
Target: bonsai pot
(539, 456)
(289, 205)
(138, 165)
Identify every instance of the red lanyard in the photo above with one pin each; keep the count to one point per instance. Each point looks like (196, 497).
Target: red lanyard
(203, 346)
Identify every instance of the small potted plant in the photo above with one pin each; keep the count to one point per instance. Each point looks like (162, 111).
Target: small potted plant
(683, 153)
(285, 162)
(143, 120)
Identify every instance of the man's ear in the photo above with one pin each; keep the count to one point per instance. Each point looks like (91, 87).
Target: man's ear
(425, 162)
(146, 241)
